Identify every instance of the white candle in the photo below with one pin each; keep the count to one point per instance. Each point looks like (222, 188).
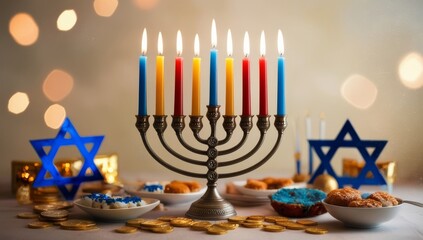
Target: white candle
(322, 126)
(308, 126)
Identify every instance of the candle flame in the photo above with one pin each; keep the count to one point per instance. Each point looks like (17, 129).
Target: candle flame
(246, 44)
(262, 44)
(160, 44)
(229, 43)
(281, 47)
(144, 42)
(179, 43)
(196, 46)
(213, 34)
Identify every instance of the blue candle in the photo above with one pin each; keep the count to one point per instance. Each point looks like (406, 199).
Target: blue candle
(213, 67)
(281, 77)
(142, 104)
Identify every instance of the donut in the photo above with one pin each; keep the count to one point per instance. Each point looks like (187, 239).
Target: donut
(343, 196)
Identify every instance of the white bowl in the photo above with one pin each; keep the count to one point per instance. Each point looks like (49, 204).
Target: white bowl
(362, 217)
(166, 198)
(121, 214)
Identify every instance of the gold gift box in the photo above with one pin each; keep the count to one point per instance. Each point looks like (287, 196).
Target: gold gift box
(24, 172)
(352, 167)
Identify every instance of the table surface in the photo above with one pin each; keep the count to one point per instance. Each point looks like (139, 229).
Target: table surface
(407, 225)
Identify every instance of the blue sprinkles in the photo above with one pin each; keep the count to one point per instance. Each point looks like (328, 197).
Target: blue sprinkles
(99, 197)
(303, 196)
(153, 187)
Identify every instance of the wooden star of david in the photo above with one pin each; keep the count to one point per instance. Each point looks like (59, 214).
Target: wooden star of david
(67, 136)
(363, 146)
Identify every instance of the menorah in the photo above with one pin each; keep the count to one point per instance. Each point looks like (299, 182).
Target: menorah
(211, 206)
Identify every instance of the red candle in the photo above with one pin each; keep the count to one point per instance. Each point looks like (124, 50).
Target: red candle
(246, 92)
(263, 77)
(178, 107)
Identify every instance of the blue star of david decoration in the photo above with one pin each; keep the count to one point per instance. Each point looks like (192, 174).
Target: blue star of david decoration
(67, 136)
(361, 146)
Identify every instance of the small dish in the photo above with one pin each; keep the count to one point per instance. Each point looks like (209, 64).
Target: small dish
(122, 214)
(166, 198)
(240, 186)
(362, 217)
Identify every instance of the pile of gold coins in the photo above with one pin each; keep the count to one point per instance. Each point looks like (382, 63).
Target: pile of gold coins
(45, 195)
(166, 224)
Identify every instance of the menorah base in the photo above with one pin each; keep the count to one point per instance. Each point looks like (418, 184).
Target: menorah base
(211, 206)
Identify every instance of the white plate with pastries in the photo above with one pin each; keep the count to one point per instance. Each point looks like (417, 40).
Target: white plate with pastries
(240, 186)
(166, 198)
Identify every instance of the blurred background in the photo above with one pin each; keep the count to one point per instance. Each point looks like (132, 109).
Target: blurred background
(358, 60)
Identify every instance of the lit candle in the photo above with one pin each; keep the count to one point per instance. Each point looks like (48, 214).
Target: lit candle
(229, 77)
(322, 126)
(160, 77)
(178, 107)
(213, 67)
(263, 111)
(142, 102)
(246, 97)
(196, 80)
(281, 76)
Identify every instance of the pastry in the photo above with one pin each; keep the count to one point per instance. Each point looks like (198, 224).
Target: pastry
(343, 196)
(365, 203)
(385, 198)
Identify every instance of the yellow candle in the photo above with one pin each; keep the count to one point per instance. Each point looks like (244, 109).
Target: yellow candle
(229, 78)
(196, 79)
(160, 78)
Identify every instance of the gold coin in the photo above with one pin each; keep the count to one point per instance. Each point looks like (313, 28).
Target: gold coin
(27, 215)
(237, 219)
(291, 225)
(77, 224)
(135, 222)
(215, 230)
(52, 220)
(307, 222)
(282, 222)
(54, 214)
(38, 224)
(254, 221)
(316, 230)
(252, 224)
(126, 229)
(201, 226)
(44, 207)
(227, 225)
(256, 217)
(181, 222)
(162, 229)
(152, 223)
(273, 219)
(166, 218)
(273, 228)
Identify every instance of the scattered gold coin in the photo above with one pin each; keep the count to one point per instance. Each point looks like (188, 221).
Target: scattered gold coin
(215, 230)
(227, 225)
(181, 222)
(166, 218)
(135, 222)
(44, 207)
(273, 219)
(316, 230)
(201, 226)
(237, 219)
(27, 215)
(126, 229)
(291, 225)
(273, 228)
(307, 222)
(54, 214)
(252, 224)
(162, 229)
(39, 224)
(149, 224)
(77, 224)
(256, 217)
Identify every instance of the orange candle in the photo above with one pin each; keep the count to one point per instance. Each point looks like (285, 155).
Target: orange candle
(160, 77)
(229, 78)
(196, 79)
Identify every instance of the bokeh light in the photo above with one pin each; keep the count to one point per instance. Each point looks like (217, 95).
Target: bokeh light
(23, 29)
(54, 116)
(57, 85)
(146, 4)
(410, 70)
(18, 103)
(67, 20)
(105, 8)
(359, 91)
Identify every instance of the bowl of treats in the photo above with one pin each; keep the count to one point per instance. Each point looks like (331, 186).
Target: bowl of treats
(115, 208)
(173, 192)
(265, 186)
(352, 208)
(298, 202)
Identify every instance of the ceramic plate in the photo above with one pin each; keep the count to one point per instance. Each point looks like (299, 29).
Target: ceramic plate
(239, 185)
(116, 215)
(362, 217)
(166, 198)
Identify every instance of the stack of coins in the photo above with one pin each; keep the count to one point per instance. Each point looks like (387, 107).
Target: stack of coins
(45, 195)
(54, 216)
(78, 225)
